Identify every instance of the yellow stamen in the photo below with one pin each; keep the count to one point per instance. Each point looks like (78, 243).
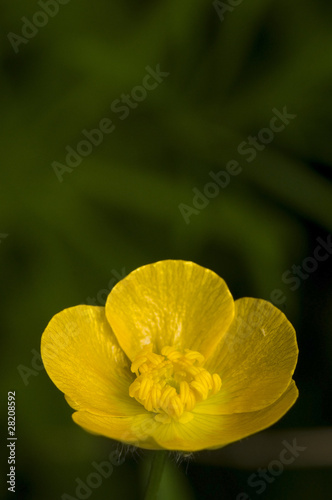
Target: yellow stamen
(170, 384)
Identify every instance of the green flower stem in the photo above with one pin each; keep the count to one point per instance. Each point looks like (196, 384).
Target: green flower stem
(156, 472)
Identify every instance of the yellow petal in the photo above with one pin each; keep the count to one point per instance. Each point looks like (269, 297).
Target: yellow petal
(255, 359)
(215, 431)
(173, 303)
(203, 431)
(134, 430)
(83, 358)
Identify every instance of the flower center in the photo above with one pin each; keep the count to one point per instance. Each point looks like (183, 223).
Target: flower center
(171, 383)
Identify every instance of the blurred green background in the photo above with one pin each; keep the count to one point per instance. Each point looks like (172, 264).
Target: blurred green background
(68, 234)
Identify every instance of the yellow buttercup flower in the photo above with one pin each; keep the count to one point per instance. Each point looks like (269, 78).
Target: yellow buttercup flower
(173, 362)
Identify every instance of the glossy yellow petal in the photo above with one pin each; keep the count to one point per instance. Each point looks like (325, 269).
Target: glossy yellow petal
(255, 359)
(83, 358)
(173, 303)
(204, 431)
(134, 430)
(215, 431)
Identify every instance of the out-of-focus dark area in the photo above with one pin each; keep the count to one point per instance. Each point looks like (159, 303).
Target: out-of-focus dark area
(133, 132)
